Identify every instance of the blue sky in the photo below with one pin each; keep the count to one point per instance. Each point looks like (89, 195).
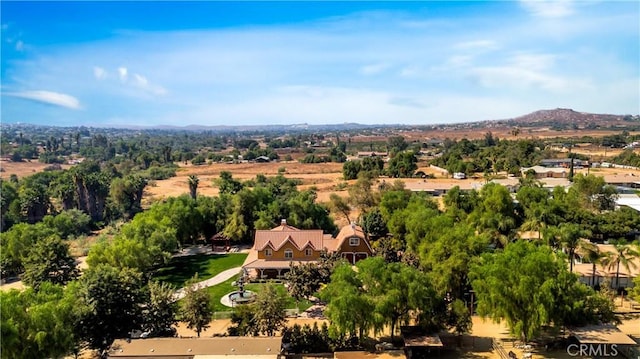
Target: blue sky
(247, 63)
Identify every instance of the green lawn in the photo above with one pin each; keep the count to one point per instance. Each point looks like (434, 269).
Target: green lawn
(181, 269)
(291, 302)
(216, 292)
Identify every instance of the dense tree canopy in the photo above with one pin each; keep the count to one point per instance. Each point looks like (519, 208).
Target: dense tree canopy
(529, 286)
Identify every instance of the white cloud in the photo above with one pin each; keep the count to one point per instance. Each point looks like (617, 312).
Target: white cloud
(373, 69)
(534, 62)
(49, 97)
(142, 83)
(549, 8)
(19, 45)
(99, 73)
(122, 71)
(477, 45)
(516, 77)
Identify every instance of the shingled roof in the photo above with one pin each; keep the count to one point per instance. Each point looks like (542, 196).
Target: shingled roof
(278, 236)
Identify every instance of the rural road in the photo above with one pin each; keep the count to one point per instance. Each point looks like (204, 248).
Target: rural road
(217, 279)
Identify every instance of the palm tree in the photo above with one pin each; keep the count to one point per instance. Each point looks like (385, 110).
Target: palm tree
(594, 256)
(193, 185)
(570, 239)
(623, 255)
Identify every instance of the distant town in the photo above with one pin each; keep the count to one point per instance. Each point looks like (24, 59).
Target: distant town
(514, 238)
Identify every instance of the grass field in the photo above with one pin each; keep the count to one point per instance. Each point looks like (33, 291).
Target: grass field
(216, 292)
(291, 302)
(181, 269)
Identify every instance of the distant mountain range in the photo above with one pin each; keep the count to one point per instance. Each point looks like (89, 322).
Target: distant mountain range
(560, 118)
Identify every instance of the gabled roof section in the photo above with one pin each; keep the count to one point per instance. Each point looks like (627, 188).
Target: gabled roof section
(348, 231)
(283, 227)
(279, 236)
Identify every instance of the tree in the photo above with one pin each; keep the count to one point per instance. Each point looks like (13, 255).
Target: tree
(113, 300)
(373, 165)
(33, 200)
(196, 306)
(571, 239)
(347, 309)
(377, 294)
(351, 169)
(448, 256)
(38, 324)
(9, 195)
(16, 243)
(460, 203)
(516, 285)
(92, 188)
(622, 255)
(403, 164)
(242, 321)
(193, 185)
(160, 309)
(49, 261)
(67, 223)
(125, 252)
(226, 183)
(303, 280)
(634, 293)
(126, 193)
(593, 255)
(593, 192)
(361, 196)
(374, 224)
(459, 317)
(339, 205)
(396, 144)
(495, 214)
(268, 310)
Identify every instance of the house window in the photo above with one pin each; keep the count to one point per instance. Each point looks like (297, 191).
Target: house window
(354, 241)
(288, 254)
(267, 252)
(308, 252)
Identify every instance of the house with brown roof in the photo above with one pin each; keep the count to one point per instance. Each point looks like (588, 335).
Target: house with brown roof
(274, 250)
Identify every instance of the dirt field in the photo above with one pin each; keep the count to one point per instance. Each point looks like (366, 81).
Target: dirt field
(323, 176)
(22, 169)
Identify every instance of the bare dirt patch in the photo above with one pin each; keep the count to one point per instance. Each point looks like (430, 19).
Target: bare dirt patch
(23, 169)
(322, 176)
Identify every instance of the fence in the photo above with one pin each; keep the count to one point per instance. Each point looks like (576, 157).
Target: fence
(497, 347)
(226, 315)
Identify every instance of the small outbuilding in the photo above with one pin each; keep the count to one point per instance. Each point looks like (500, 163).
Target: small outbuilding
(417, 342)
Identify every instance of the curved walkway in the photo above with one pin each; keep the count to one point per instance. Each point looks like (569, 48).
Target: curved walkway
(217, 279)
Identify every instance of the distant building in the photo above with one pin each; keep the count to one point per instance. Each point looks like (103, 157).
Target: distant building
(546, 172)
(563, 162)
(262, 159)
(372, 153)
